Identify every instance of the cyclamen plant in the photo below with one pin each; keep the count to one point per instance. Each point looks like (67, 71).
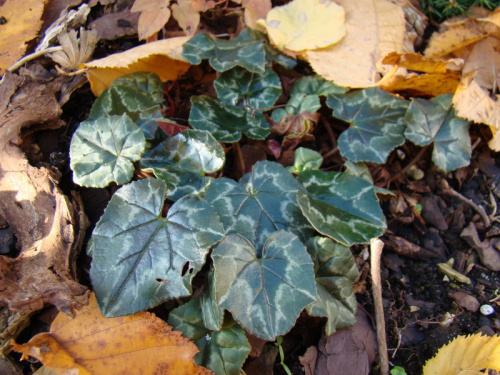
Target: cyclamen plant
(271, 245)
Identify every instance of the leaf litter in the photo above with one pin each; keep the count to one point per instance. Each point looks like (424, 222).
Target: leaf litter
(412, 231)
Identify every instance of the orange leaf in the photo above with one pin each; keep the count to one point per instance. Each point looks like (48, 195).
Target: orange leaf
(422, 85)
(93, 344)
(22, 20)
(163, 57)
(416, 62)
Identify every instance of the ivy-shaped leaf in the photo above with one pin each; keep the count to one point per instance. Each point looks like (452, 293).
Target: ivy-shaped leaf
(139, 95)
(272, 54)
(239, 86)
(316, 85)
(436, 121)
(222, 351)
(336, 271)
(305, 160)
(341, 206)
(225, 54)
(139, 258)
(183, 160)
(263, 202)
(297, 104)
(377, 123)
(211, 313)
(264, 291)
(103, 150)
(225, 122)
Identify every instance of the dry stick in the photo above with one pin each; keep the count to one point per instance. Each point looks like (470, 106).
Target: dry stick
(376, 246)
(480, 210)
(33, 56)
(239, 156)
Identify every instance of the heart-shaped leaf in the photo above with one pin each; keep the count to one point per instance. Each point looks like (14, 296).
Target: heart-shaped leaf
(265, 292)
(225, 54)
(239, 86)
(316, 85)
(103, 150)
(222, 351)
(336, 271)
(263, 202)
(341, 206)
(377, 123)
(139, 95)
(436, 121)
(141, 259)
(183, 160)
(225, 122)
(272, 54)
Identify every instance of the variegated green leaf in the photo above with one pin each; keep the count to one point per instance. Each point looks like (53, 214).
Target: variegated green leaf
(341, 206)
(225, 54)
(272, 54)
(139, 258)
(377, 123)
(211, 313)
(336, 271)
(225, 122)
(264, 291)
(103, 151)
(305, 160)
(239, 86)
(361, 170)
(223, 351)
(263, 202)
(316, 85)
(183, 160)
(139, 95)
(297, 103)
(436, 121)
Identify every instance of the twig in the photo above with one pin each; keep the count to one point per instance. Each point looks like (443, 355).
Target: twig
(239, 157)
(480, 210)
(33, 56)
(376, 247)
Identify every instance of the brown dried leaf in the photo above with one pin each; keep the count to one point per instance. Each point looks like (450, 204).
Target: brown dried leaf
(92, 344)
(296, 125)
(154, 15)
(48, 226)
(186, 16)
(20, 27)
(254, 11)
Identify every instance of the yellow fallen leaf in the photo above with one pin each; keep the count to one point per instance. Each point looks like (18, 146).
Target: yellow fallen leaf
(417, 62)
(423, 84)
(474, 103)
(21, 22)
(466, 355)
(304, 25)
(163, 57)
(154, 15)
(374, 28)
(92, 344)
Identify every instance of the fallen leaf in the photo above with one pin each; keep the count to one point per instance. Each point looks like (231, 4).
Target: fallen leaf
(202, 5)
(187, 17)
(374, 28)
(116, 25)
(305, 25)
(474, 103)
(254, 11)
(48, 226)
(419, 63)
(466, 354)
(93, 344)
(489, 256)
(163, 57)
(75, 51)
(484, 63)
(22, 22)
(154, 15)
(422, 85)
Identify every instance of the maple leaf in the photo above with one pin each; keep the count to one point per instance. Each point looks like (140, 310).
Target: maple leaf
(93, 344)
